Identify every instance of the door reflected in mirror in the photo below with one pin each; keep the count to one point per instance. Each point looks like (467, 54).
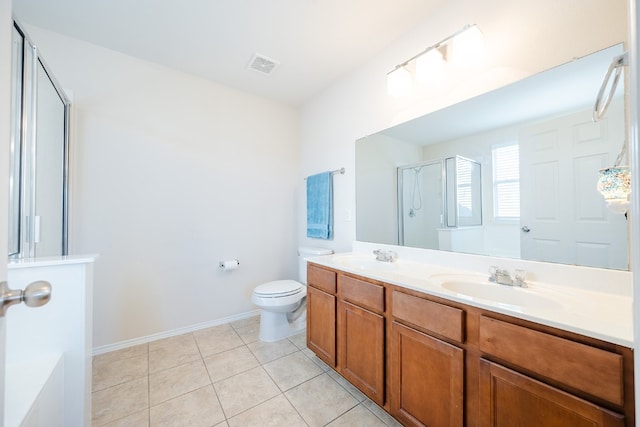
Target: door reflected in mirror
(538, 153)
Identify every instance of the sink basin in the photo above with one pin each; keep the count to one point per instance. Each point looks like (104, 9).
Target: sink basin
(365, 263)
(473, 287)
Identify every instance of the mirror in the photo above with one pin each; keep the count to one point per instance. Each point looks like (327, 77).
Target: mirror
(538, 153)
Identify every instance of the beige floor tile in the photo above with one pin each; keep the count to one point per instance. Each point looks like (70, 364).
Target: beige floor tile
(178, 340)
(120, 401)
(171, 352)
(244, 391)
(249, 334)
(173, 382)
(229, 363)
(175, 375)
(292, 370)
(357, 417)
(359, 396)
(199, 408)
(299, 340)
(265, 352)
(139, 419)
(124, 353)
(320, 400)
(108, 374)
(217, 339)
(275, 412)
(243, 323)
(381, 413)
(315, 359)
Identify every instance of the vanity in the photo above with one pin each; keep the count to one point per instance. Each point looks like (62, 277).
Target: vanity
(417, 340)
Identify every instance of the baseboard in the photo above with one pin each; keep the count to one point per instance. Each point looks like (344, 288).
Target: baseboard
(167, 334)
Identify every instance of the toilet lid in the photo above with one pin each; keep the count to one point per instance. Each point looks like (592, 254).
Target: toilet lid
(278, 288)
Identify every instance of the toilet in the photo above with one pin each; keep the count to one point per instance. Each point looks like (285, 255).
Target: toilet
(283, 303)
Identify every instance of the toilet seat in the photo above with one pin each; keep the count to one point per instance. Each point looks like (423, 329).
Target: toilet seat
(278, 289)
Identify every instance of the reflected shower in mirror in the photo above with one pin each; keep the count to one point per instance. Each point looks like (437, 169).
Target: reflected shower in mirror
(437, 198)
(538, 153)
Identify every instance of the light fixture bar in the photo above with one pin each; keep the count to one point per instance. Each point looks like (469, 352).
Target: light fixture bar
(435, 46)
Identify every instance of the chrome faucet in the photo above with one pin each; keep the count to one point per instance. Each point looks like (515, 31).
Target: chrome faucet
(385, 256)
(502, 277)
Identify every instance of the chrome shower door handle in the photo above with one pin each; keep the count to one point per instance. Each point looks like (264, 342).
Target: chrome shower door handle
(36, 294)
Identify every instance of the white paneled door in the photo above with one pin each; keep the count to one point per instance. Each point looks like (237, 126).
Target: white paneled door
(6, 26)
(563, 217)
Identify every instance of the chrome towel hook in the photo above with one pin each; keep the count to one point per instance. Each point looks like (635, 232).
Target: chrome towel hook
(600, 107)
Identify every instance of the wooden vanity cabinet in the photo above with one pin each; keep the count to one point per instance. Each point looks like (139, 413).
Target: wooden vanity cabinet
(434, 362)
(550, 380)
(321, 313)
(427, 379)
(509, 398)
(361, 335)
(426, 372)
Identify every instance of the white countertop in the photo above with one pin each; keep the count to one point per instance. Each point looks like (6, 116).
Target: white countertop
(49, 261)
(592, 312)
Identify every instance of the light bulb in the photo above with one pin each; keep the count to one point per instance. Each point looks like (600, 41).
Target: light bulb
(399, 82)
(468, 46)
(430, 67)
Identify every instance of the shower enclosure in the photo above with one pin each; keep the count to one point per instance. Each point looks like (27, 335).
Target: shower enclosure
(38, 205)
(438, 197)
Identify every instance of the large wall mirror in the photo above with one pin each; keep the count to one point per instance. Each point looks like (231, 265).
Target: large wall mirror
(538, 153)
(39, 156)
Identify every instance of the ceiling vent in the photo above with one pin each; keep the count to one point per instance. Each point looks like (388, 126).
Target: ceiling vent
(263, 64)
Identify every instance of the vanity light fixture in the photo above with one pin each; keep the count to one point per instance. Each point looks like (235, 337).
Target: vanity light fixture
(430, 66)
(463, 47)
(467, 48)
(614, 183)
(399, 82)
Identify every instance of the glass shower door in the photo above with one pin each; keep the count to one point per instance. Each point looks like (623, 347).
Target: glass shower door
(39, 161)
(49, 171)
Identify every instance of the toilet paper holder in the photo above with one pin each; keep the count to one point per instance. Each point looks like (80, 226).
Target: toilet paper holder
(231, 264)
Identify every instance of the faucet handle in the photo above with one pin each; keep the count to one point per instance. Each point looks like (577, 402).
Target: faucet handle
(520, 277)
(385, 256)
(493, 273)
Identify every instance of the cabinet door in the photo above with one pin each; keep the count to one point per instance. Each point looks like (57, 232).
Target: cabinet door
(427, 377)
(508, 399)
(361, 349)
(321, 324)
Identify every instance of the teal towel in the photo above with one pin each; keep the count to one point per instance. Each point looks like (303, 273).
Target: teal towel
(320, 206)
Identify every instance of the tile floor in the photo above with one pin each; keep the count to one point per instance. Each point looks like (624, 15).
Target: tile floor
(225, 377)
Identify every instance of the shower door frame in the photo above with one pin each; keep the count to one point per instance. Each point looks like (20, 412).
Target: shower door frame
(24, 191)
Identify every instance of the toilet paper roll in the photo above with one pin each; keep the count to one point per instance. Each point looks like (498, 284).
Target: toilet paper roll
(231, 264)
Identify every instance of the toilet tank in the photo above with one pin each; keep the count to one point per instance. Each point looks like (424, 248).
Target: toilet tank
(303, 254)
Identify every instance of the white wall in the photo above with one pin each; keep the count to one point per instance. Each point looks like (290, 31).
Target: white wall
(378, 160)
(170, 174)
(521, 38)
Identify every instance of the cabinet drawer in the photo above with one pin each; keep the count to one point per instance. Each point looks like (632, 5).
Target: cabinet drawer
(589, 369)
(432, 316)
(321, 278)
(365, 294)
(523, 401)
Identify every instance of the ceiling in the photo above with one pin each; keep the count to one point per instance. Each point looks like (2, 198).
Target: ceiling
(314, 41)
